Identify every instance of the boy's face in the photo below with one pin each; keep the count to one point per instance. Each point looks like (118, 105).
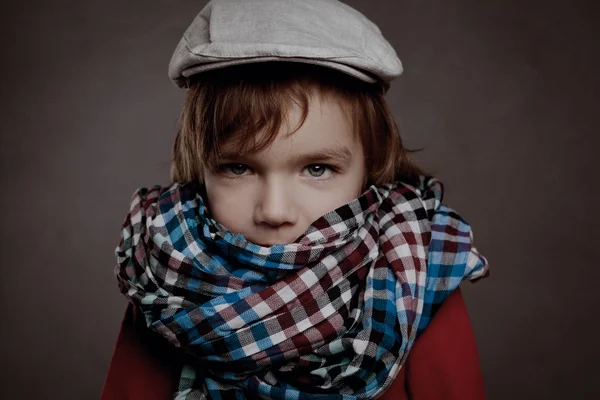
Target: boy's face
(274, 195)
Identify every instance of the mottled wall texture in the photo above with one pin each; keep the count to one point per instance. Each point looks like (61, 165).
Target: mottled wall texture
(503, 95)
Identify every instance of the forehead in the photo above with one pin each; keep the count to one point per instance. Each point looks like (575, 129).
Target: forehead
(327, 125)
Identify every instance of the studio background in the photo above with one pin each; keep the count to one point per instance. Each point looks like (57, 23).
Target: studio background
(503, 95)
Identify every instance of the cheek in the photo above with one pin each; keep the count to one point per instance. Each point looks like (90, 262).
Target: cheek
(315, 205)
(227, 208)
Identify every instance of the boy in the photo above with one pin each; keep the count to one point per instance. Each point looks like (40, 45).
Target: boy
(298, 253)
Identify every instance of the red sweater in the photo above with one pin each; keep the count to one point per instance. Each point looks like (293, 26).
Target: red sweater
(443, 363)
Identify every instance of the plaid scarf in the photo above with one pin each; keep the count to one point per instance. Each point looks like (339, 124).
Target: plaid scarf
(332, 315)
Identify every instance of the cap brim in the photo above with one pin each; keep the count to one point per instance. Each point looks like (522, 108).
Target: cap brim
(362, 75)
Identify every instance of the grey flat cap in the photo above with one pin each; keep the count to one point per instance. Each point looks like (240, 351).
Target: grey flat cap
(322, 32)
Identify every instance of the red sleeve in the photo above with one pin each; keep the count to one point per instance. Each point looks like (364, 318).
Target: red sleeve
(144, 365)
(444, 362)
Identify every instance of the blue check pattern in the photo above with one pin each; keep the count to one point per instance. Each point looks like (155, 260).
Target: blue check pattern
(332, 315)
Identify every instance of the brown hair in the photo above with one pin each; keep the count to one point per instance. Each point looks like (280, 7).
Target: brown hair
(237, 102)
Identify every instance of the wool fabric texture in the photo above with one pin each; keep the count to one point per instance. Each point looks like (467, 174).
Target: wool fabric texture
(332, 315)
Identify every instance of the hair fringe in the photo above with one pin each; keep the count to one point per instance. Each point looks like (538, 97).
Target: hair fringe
(237, 102)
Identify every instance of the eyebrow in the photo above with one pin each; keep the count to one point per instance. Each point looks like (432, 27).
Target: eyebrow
(339, 154)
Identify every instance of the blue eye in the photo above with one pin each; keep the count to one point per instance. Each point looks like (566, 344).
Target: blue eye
(236, 169)
(316, 170)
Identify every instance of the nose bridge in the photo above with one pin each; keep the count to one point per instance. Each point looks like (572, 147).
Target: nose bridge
(276, 204)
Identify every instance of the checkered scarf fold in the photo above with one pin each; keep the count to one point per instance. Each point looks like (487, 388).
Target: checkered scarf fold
(332, 315)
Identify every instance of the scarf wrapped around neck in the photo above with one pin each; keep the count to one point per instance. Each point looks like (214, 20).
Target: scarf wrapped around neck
(332, 315)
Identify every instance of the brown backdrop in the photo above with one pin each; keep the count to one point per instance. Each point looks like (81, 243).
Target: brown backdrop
(503, 94)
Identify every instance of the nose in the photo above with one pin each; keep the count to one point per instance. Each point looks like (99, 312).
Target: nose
(276, 205)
